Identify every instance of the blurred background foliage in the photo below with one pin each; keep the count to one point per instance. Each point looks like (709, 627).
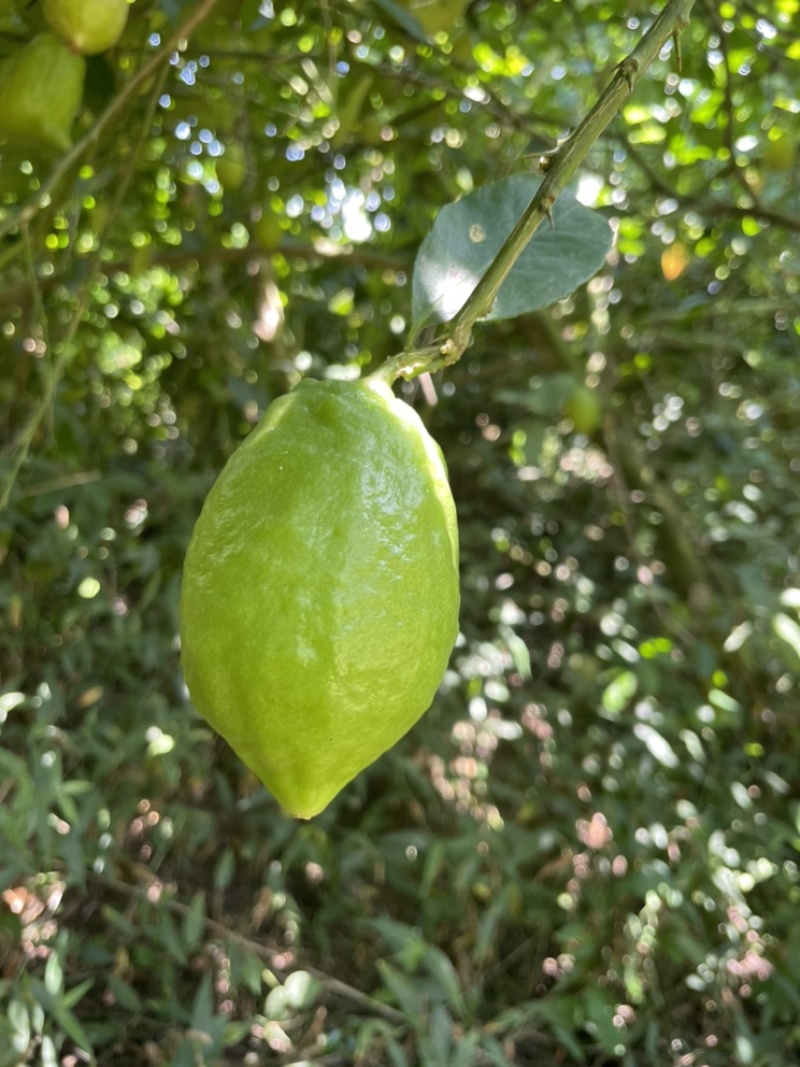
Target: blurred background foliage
(587, 851)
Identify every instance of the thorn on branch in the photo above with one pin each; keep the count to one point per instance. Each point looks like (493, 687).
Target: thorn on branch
(546, 159)
(628, 68)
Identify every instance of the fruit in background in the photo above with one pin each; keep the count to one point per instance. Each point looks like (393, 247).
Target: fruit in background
(232, 167)
(320, 590)
(436, 16)
(87, 26)
(583, 407)
(267, 230)
(41, 87)
(779, 153)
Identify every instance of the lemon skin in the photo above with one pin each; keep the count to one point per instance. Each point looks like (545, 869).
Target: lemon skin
(87, 26)
(320, 594)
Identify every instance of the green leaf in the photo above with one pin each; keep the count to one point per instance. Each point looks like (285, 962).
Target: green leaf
(404, 992)
(442, 970)
(519, 651)
(48, 1054)
(468, 234)
(9, 701)
(53, 975)
(788, 631)
(124, 993)
(618, 693)
(600, 1012)
(402, 18)
(195, 920)
(77, 993)
(203, 1007)
(72, 1027)
(302, 989)
(21, 1025)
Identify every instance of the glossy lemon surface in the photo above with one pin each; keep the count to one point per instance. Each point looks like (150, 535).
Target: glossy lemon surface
(320, 593)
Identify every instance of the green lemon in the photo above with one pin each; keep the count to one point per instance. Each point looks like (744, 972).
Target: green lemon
(779, 154)
(87, 26)
(320, 591)
(232, 167)
(584, 408)
(267, 230)
(41, 87)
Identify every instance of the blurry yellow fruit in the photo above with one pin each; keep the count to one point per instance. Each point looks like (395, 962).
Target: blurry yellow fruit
(232, 168)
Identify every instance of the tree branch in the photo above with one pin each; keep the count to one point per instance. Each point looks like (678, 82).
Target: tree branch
(560, 169)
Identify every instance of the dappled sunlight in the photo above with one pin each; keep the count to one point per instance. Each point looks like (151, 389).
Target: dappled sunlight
(35, 905)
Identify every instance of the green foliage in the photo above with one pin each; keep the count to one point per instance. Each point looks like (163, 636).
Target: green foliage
(587, 851)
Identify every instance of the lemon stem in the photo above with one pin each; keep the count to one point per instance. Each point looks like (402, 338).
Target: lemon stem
(559, 169)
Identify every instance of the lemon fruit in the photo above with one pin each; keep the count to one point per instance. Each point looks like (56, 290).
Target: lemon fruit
(41, 87)
(267, 230)
(87, 26)
(232, 167)
(780, 153)
(583, 407)
(320, 592)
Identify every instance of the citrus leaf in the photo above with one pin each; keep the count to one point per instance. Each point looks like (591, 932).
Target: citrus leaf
(468, 234)
(787, 630)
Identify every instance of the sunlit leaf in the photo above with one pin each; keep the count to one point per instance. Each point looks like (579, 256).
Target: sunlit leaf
(657, 745)
(619, 693)
(302, 989)
(787, 630)
(468, 234)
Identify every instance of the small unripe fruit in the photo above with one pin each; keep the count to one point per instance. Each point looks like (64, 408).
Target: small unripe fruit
(584, 409)
(268, 230)
(231, 168)
(779, 155)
